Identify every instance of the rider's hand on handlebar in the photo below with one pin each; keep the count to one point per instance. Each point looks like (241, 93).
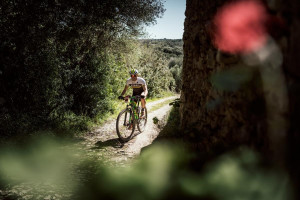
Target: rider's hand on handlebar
(121, 97)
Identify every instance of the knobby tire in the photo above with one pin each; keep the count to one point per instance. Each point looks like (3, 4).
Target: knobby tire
(120, 124)
(142, 122)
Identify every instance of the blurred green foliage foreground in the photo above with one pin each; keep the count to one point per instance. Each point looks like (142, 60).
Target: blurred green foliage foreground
(161, 172)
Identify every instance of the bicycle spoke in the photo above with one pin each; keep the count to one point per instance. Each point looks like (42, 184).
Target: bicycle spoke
(129, 118)
(125, 126)
(142, 121)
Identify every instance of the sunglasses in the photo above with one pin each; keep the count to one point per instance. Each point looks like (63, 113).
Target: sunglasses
(133, 75)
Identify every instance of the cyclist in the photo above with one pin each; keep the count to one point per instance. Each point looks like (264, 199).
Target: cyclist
(139, 87)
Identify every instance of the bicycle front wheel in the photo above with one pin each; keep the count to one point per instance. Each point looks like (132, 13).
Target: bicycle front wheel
(142, 122)
(125, 125)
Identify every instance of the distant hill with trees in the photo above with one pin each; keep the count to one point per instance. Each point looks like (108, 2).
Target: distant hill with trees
(170, 50)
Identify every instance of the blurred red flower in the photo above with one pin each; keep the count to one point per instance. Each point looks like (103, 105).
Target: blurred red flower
(240, 26)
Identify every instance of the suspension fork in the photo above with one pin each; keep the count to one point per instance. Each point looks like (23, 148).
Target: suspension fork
(130, 116)
(126, 116)
(125, 119)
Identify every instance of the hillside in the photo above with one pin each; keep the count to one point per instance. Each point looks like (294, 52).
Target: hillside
(168, 47)
(170, 50)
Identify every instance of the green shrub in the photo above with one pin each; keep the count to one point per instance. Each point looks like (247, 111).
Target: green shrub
(59, 58)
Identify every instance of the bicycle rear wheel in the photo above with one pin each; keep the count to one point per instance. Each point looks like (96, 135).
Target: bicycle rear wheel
(142, 122)
(125, 125)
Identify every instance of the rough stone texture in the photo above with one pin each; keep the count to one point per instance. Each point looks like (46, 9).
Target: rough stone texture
(237, 116)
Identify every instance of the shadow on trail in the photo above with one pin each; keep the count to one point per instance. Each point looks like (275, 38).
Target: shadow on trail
(112, 142)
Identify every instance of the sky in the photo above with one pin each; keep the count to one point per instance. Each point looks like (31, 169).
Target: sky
(170, 26)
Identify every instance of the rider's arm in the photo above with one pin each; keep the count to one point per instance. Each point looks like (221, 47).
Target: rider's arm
(125, 89)
(145, 90)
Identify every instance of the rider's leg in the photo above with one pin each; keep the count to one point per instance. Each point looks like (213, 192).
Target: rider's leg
(143, 101)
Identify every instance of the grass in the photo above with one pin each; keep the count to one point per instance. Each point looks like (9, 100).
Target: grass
(118, 106)
(77, 125)
(164, 95)
(159, 105)
(170, 125)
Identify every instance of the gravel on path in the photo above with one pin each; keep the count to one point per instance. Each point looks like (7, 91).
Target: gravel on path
(101, 144)
(104, 140)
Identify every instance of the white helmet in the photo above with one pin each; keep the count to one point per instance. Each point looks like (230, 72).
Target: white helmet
(133, 72)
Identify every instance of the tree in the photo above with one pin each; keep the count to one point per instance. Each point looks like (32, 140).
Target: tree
(55, 54)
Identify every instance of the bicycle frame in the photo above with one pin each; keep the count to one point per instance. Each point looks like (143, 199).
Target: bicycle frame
(133, 106)
(126, 128)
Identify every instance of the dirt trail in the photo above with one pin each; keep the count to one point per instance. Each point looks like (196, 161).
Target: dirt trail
(100, 144)
(104, 142)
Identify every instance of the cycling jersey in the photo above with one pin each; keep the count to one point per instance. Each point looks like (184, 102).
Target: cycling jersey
(137, 85)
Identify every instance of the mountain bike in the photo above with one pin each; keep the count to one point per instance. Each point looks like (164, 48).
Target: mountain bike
(130, 117)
